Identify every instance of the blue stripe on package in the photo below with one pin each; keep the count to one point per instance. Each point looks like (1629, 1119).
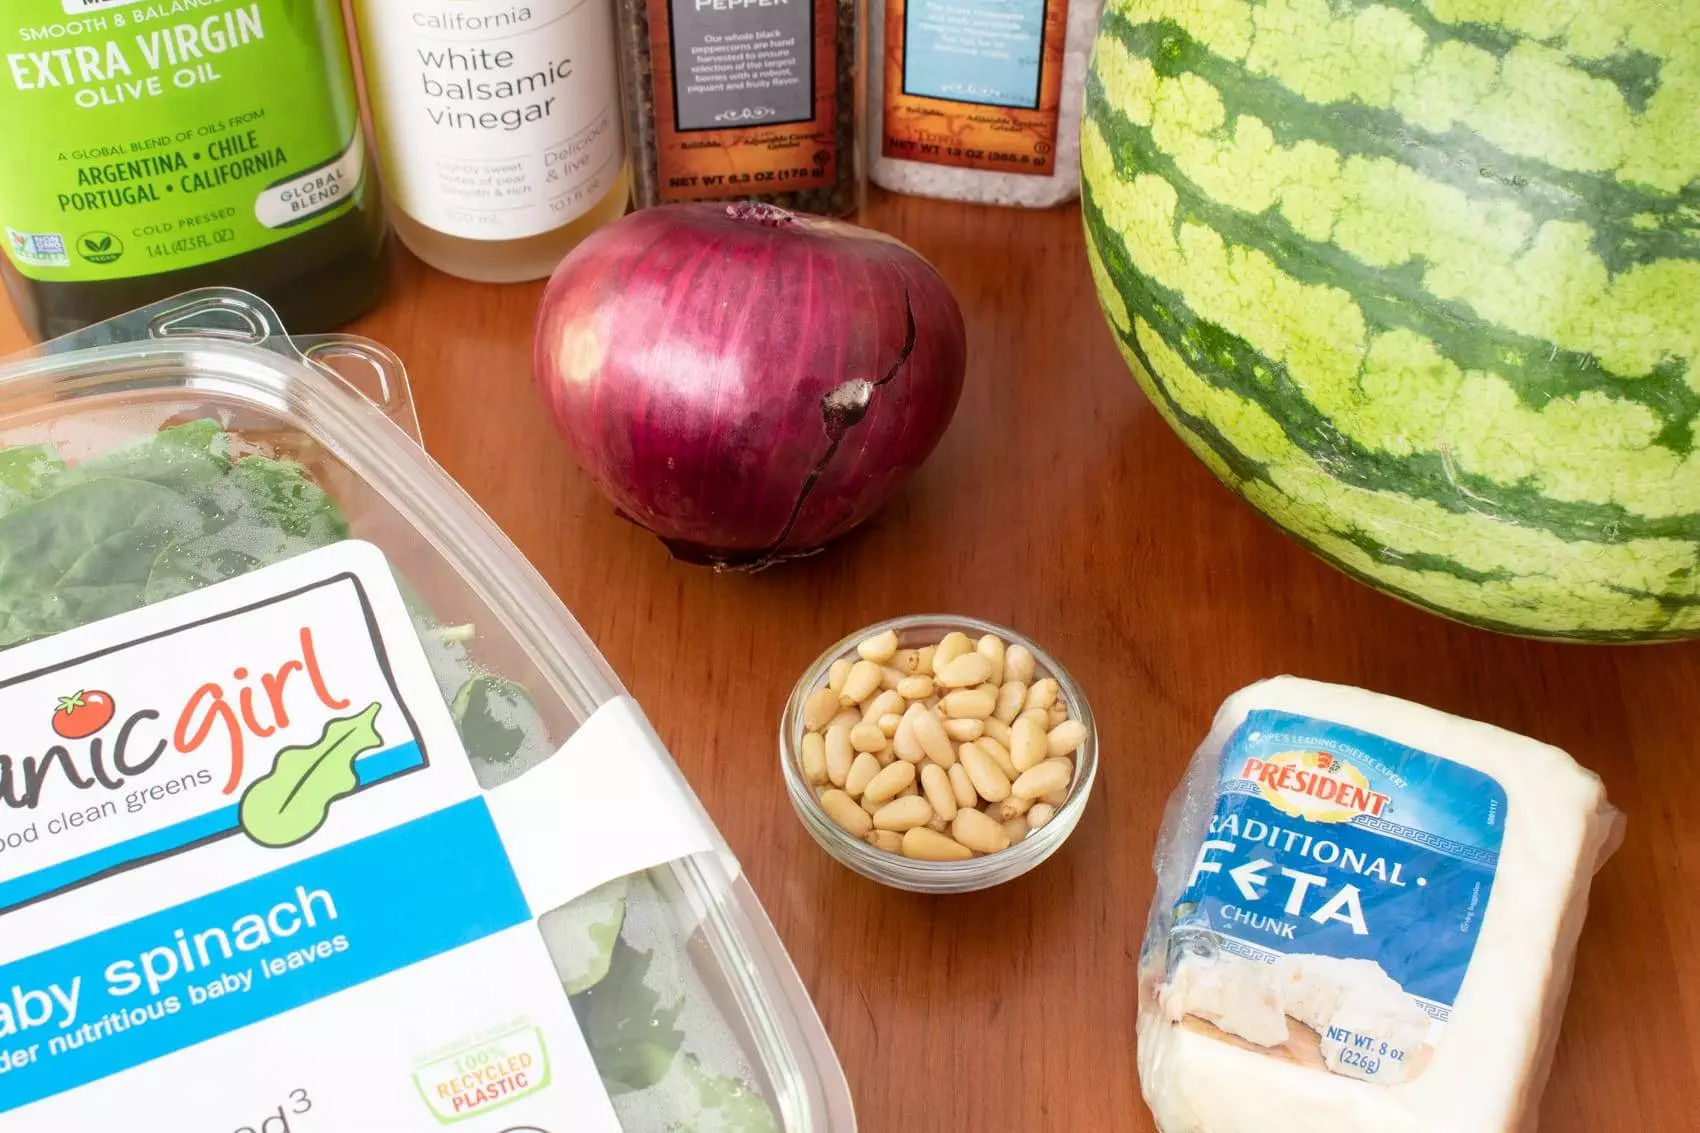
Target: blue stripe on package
(252, 951)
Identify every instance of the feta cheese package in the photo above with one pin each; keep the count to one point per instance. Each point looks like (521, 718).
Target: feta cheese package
(1365, 919)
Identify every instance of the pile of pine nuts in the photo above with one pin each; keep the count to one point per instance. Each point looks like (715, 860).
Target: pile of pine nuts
(940, 753)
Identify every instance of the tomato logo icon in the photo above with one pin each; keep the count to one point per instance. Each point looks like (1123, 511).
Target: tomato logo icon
(82, 714)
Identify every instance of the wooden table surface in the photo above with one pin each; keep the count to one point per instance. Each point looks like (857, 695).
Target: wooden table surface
(1059, 503)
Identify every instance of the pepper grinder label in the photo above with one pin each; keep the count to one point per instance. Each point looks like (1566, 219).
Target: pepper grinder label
(976, 85)
(745, 97)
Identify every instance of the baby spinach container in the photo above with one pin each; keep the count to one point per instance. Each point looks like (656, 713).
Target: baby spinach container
(298, 906)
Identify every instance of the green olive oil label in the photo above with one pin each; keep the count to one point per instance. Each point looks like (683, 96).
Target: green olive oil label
(143, 136)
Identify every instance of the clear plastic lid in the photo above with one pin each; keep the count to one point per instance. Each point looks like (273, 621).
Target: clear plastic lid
(688, 1002)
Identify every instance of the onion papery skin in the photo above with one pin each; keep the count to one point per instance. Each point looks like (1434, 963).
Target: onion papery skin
(746, 383)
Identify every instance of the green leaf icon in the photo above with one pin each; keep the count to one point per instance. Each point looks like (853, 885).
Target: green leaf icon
(102, 244)
(288, 803)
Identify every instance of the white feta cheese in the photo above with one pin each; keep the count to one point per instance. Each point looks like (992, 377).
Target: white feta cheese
(1237, 995)
(1488, 1065)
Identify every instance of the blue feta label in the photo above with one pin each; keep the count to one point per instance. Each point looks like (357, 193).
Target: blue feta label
(988, 53)
(1337, 898)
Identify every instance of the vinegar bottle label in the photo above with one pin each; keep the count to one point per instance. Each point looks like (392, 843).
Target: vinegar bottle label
(497, 121)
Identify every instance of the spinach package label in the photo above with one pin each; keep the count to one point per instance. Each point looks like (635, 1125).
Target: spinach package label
(1336, 902)
(143, 136)
(243, 821)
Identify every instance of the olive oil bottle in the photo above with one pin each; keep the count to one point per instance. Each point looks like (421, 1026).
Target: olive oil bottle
(154, 146)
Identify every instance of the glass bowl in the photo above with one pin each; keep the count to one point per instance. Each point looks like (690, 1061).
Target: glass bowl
(980, 872)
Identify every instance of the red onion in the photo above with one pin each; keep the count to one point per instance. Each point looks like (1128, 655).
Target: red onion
(748, 383)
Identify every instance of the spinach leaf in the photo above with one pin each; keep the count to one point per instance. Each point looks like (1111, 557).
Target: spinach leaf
(184, 458)
(724, 1105)
(499, 721)
(145, 522)
(23, 472)
(84, 553)
(580, 936)
(629, 1029)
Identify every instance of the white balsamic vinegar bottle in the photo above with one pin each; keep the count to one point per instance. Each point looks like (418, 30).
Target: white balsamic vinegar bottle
(498, 127)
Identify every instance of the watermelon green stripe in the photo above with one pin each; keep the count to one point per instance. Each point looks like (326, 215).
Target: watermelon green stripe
(1634, 73)
(1229, 362)
(1535, 369)
(1422, 560)
(1631, 225)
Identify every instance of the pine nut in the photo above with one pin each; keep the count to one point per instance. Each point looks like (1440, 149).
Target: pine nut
(953, 645)
(966, 702)
(862, 772)
(849, 717)
(924, 659)
(868, 806)
(814, 759)
(1042, 694)
(839, 754)
(835, 678)
(915, 688)
(961, 786)
(819, 709)
(990, 783)
(1038, 715)
(904, 741)
(929, 732)
(904, 814)
(999, 754)
(927, 845)
(1028, 746)
(907, 660)
(888, 701)
(1015, 829)
(991, 648)
(1066, 737)
(842, 809)
(966, 671)
(997, 730)
(1055, 798)
(1018, 664)
(1012, 695)
(964, 730)
(890, 677)
(1051, 775)
(888, 840)
(1040, 814)
(978, 832)
(1058, 713)
(888, 724)
(879, 647)
(889, 783)
(935, 784)
(862, 682)
(1012, 807)
(868, 737)
(886, 756)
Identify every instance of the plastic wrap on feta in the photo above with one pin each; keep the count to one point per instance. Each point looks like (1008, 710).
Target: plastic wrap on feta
(1365, 919)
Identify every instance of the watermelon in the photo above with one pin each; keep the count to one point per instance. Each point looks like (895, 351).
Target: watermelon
(1420, 279)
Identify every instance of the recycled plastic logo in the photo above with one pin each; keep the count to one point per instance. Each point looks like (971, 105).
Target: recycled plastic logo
(99, 247)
